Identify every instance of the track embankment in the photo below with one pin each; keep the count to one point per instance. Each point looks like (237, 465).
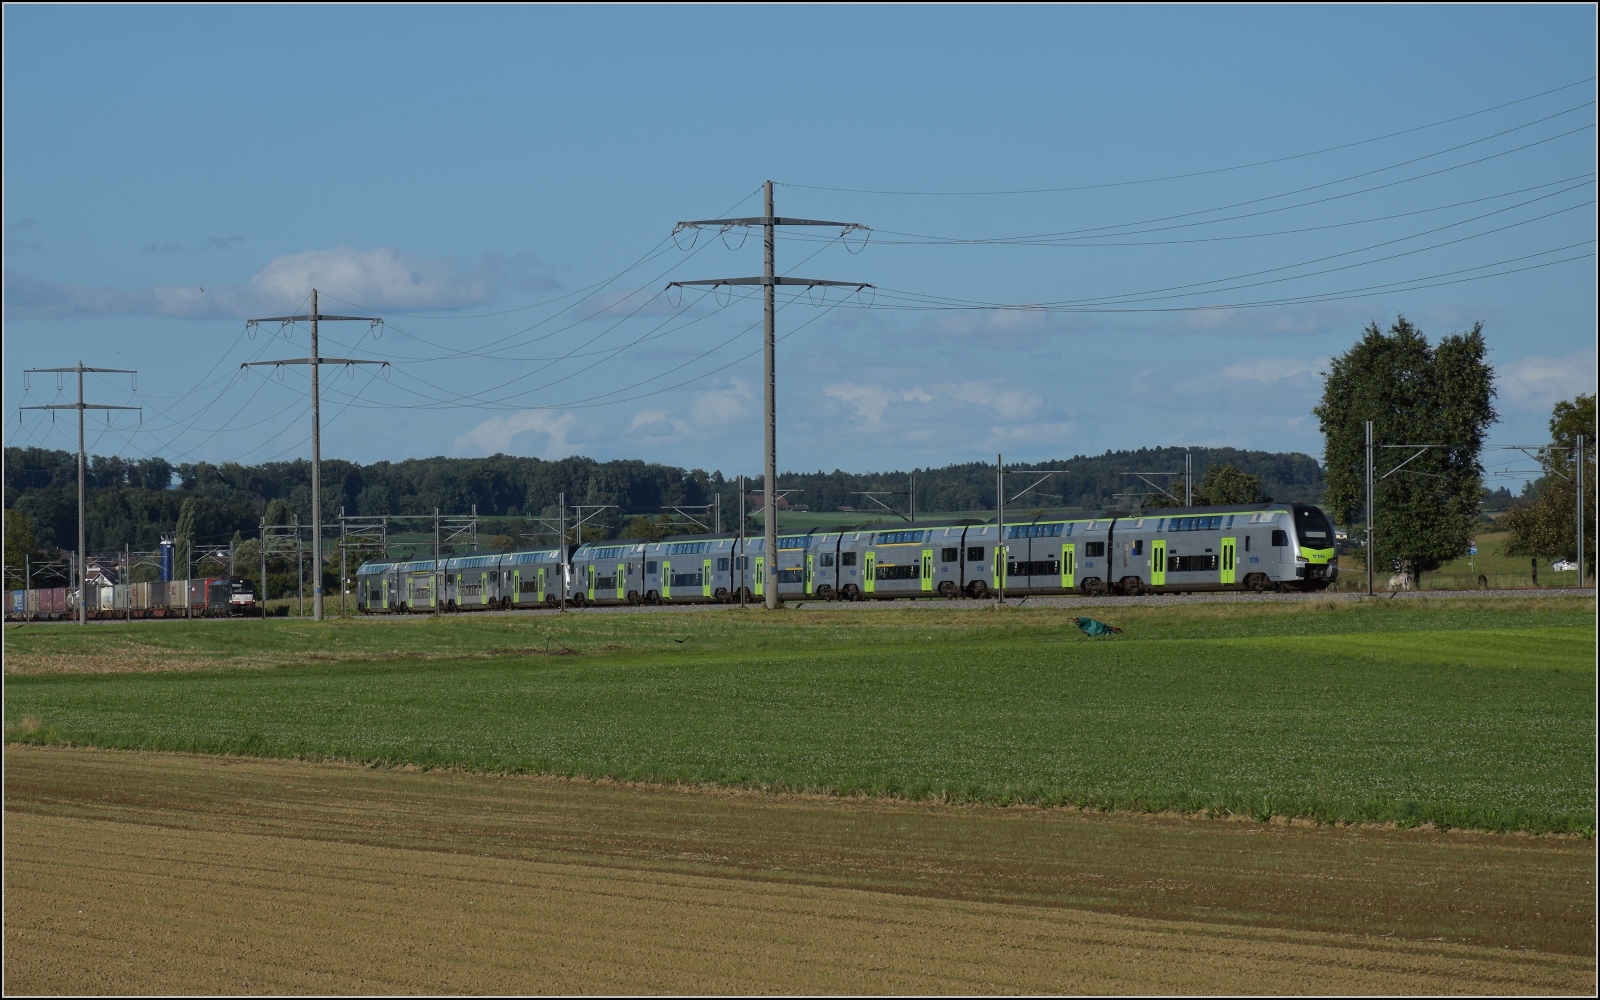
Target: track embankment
(142, 872)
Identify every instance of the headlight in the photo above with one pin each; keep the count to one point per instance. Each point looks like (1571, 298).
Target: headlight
(1300, 560)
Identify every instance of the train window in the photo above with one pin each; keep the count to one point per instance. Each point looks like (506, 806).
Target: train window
(650, 567)
(847, 559)
(949, 555)
(722, 565)
(1247, 543)
(1191, 564)
(1280, 537)
(1094, 549)
(1138, 546)
(827, 559)
(974, 553)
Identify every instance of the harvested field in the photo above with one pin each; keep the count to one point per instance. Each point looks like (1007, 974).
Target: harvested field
(147, 872)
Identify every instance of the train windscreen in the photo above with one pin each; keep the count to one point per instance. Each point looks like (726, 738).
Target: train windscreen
(1312, 527)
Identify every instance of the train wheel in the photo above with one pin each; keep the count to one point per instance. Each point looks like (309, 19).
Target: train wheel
(1256, 582)
(722, 596)
(1132, 586)
(825, 593)
(634, 597)
(1093, 587)
(978, 589)
(948, 589)
(652, 598)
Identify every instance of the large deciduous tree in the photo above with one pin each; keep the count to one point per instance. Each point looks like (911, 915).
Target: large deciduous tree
(1543, 523)
(1415, 394)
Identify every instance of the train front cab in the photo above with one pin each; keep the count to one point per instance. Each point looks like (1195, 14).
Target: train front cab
(1238, 547)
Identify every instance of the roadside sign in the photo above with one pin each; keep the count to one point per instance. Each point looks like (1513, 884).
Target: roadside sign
(1472, 549)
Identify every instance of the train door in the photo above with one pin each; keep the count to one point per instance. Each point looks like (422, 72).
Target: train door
(1069, 574)
(869, 573)
(927, 571)
(1229, 548)
(810, 566)
(540, 584)
(1001, 571)
(705, 578)
(761, 576)
(666, 580)
(516, 587)
(1158, 563)
(589, 590)
(622, 581)
(483, 581)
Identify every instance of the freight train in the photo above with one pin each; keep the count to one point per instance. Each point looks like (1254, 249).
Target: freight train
(209, 597)
(1255, 547)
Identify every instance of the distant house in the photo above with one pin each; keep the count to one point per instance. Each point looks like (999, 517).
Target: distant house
(98, 575)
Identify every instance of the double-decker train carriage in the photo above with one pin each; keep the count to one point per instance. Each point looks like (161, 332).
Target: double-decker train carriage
(1236, 547)
(482, 582)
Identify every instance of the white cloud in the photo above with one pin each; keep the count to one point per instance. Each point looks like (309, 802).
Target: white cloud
(726, 407)
(1269, 369)
(382, 278)
(869, 401)
(542, 433)
(1535, 382)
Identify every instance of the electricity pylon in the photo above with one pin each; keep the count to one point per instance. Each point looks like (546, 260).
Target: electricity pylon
(769, 280)
(316, 361)
(80, 406)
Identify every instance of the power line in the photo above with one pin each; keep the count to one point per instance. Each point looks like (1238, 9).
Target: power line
(1195, 173)
(1037, 237)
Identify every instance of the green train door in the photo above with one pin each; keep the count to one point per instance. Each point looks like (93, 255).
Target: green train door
(705, 578)
(1229, 547)
(384, 599)
(760, 576)
(540, 593)
(927, 571)
(590, 588)
(1158, 563)
(622, 581)
(483, 596)
(1001, 570)
(1069, 569)
(869, 574)
(666, 580)
(809, 561)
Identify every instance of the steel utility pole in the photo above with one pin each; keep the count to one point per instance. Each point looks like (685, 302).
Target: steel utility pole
(769, 281)
(80, 406)
(1577, 481)
(316, 361)
(1370, 555)
(1000, 529)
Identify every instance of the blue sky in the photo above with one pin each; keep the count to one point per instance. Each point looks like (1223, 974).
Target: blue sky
(489, 180)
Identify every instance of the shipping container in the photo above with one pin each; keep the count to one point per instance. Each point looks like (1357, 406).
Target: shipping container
(53, 602)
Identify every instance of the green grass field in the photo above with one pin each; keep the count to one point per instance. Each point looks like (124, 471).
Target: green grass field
(1461, 713)
(1502, 572)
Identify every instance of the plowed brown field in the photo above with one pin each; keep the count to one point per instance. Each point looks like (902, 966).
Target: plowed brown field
(166, 873)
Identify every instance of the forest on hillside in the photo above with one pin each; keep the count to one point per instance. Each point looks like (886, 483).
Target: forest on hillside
(133, 502)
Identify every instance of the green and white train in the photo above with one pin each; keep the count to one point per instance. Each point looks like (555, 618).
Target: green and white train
(1240, 547)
